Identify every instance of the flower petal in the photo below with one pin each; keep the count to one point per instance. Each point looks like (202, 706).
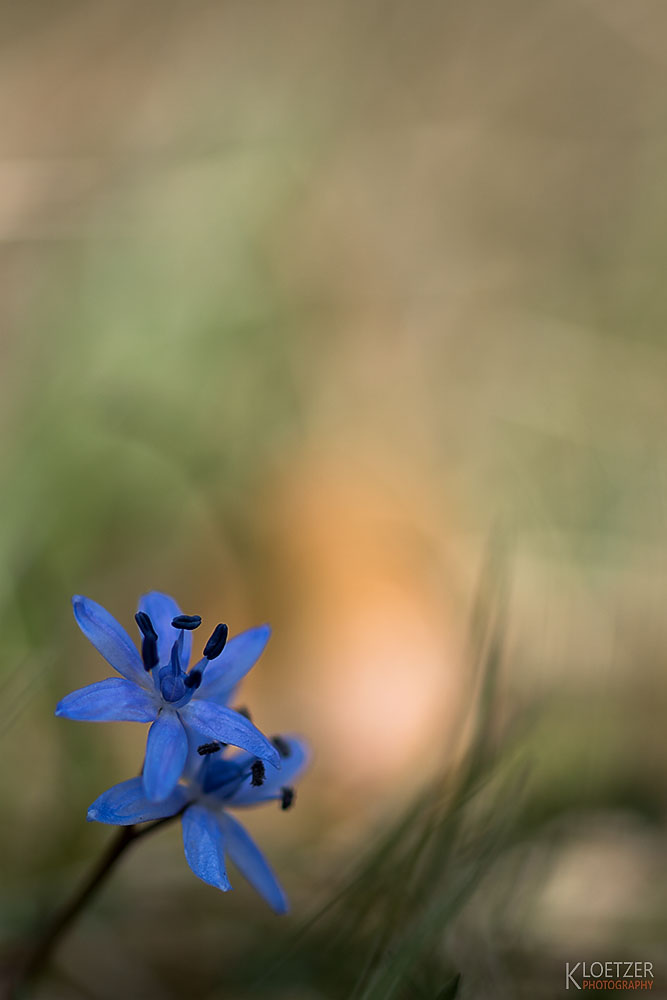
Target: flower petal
(166, 752)
(292, 767)
(110, 639)
(195, 739)
(161, 608)
(126, 803)
(237, 658)
(252, 864)
(203, 843)
(113, 700)
(223, 724)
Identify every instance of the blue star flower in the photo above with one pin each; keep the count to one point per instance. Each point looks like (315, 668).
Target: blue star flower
(156, 686)
(210, 833)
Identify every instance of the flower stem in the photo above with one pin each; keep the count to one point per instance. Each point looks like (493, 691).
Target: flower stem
(38, 956)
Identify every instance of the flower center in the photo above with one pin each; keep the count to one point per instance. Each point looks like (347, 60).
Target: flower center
(173, 682)
(172, 677)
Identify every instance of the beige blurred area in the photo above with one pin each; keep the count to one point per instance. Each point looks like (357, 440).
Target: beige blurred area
(300, 303)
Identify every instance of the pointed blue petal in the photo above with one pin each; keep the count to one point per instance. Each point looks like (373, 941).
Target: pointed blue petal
(292, 767)
(203, 843)
(110, 639)
(113, 700)
(161, 608)
(237, 658)
(166, 752)
(227, 726)
(252, 864)
(126, 803)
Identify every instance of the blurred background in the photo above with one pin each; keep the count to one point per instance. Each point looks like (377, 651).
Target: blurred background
(302, 303)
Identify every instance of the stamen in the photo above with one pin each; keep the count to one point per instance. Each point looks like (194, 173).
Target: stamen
(149, 642)
(258, 772)
(188, 622)
(281, 745)
(193, 679)
(145, 625)
(149, 652)
(207, 748)
(216, 643)
(287, 797)
(175, 659)
(245, 712)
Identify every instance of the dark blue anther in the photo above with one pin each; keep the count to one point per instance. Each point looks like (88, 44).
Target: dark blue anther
(216, 643)
(145, 625)
(149, 652)
(281, 745)
(258, 773)
(207, 748)
(188, 622)
(149, 642)
(193, 679)
(286, 797)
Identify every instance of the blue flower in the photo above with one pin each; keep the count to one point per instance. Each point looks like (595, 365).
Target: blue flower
(210, 833)
(156, 687)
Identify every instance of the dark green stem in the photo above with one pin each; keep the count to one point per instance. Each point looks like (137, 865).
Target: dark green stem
(41, 952)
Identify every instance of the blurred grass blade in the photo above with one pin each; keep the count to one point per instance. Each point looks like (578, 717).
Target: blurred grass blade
(450, 989)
